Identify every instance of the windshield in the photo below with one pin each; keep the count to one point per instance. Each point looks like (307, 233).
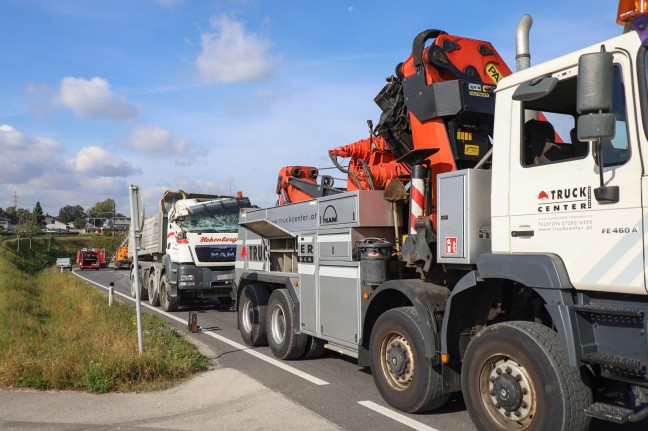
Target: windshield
(212, 217)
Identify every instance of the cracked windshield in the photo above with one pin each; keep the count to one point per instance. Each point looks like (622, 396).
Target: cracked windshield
(218, 219)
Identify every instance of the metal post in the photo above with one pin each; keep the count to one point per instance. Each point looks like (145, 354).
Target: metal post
(138, 308)
(111, 293)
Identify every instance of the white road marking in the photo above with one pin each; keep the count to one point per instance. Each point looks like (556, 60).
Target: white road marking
(396, 416)
(234, 344)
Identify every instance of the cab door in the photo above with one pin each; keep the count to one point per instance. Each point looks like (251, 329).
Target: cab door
(553, 176)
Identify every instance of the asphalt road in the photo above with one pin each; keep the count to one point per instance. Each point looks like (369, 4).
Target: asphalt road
(333, 386)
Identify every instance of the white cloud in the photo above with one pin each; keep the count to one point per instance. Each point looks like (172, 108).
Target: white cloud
(159, 142)
(25, 158)
(100, 163)
(36, 170)
(231, 54)
(94, 99)
(154, 140)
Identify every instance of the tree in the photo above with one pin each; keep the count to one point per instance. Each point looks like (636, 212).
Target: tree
(11, 215)
(24, 224)
(38, 216)
(69, 213)
(80, 223)
(103, 209)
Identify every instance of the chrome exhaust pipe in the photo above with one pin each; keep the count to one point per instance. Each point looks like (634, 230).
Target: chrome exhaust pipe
(523, 54)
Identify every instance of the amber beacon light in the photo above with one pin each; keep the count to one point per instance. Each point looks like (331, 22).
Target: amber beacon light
(629, 9)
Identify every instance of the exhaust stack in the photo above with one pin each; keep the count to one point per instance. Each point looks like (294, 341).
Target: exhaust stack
(523, 55)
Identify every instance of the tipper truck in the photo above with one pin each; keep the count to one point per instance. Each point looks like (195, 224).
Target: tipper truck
(188, 248)
(491, 238)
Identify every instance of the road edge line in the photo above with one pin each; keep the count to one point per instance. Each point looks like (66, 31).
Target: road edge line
(396, 416)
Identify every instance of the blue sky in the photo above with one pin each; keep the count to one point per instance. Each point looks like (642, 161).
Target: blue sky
(217, 95)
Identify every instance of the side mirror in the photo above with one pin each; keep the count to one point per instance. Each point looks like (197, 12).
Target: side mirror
(594, 103)
(596, 126)
(594, 98)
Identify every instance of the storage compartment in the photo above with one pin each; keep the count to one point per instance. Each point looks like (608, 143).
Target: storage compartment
(463, 216)
(283, 255)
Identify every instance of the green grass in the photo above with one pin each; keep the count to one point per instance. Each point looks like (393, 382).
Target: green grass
(56, 332)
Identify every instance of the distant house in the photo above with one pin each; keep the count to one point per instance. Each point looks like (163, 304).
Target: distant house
(97, 224)
(4, 224)
(122, 224)
(53, 224)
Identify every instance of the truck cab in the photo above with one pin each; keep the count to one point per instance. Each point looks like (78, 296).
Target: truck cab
(544, 178)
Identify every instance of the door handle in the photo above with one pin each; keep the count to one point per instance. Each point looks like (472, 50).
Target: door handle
(522, 233)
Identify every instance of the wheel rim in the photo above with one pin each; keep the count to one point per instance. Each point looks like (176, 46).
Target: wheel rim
(397, 361)
(278, 326)
(507, 392)
(163, 295)
(247, 316)
(151, 288)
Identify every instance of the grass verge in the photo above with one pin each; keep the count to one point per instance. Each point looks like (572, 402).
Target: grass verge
(56, 332)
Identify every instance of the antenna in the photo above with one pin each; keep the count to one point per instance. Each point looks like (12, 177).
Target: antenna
(14, 200)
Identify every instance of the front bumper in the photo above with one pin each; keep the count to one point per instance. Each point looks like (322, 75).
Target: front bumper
(219, 282)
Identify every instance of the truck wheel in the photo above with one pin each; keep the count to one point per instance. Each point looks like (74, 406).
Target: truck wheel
(153, 290)
(283, 341)
(402, 374)
(252, 315)
(168, 302)
(515, 377)
(314, 348)
(142, 286)
(132, 284)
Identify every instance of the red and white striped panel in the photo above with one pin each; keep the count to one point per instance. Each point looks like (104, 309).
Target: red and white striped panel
(417, 201)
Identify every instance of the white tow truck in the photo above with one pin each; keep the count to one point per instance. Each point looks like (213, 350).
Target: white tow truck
(524, 287)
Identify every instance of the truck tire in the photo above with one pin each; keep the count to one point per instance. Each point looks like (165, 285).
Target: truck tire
(142, 286)
(515, 377)
(153, 290)
(252, 315)
(168, 302)
(284, 342)
(402, 374)
(314, 348)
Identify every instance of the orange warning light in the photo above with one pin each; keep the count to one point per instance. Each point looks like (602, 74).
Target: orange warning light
(444, 358)
(629, 9)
